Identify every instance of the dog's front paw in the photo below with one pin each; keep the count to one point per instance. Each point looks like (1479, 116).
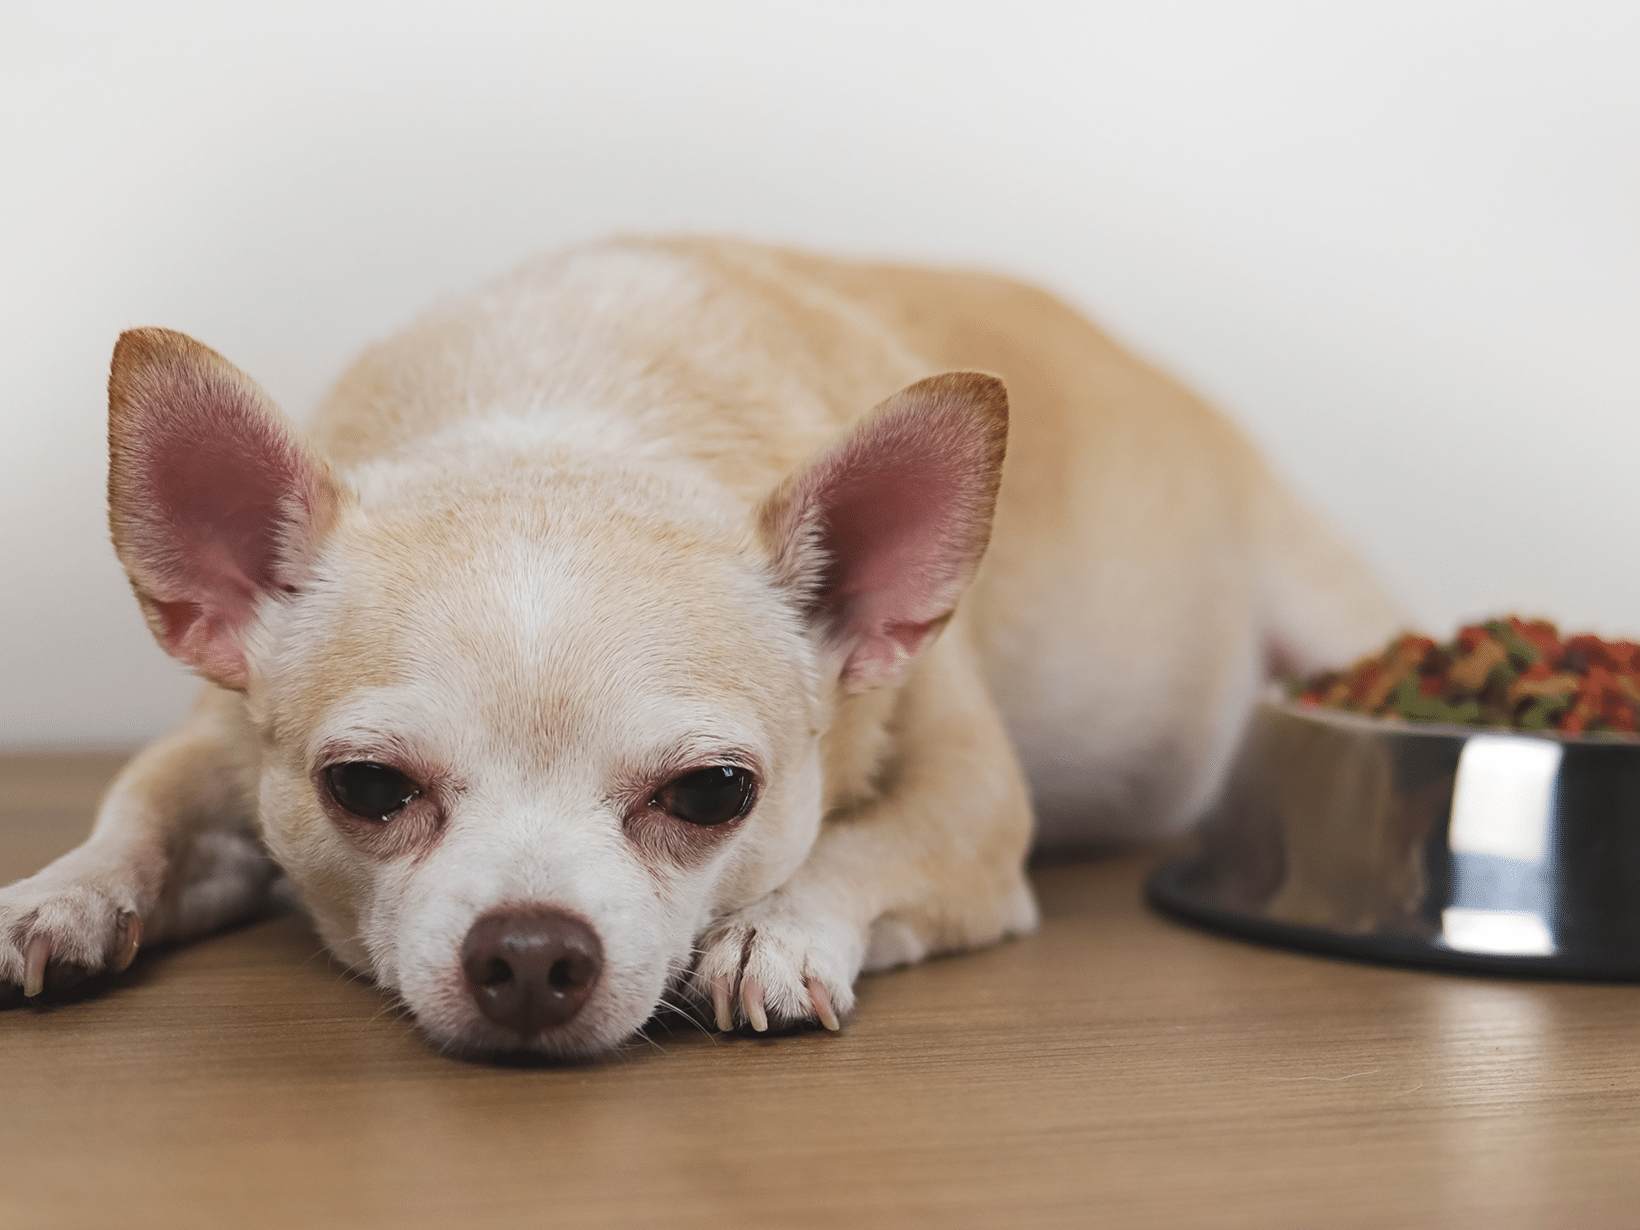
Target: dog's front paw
(70, 921)
(773, 963)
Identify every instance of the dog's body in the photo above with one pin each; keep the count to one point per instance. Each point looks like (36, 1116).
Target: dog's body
(615, 576)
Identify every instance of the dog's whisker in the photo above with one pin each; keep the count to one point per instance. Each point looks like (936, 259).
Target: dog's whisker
(643, 1036)
(395, 1007)
(689, 1014)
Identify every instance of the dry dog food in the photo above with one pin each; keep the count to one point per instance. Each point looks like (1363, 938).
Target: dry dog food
(1504, 672)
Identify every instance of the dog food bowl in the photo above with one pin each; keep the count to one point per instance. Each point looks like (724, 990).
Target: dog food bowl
(1455, 847)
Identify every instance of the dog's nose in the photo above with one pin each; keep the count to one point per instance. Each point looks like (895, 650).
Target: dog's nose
(531, 968)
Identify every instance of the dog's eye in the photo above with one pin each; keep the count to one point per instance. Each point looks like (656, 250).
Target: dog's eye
(373, 791)
(708, 796)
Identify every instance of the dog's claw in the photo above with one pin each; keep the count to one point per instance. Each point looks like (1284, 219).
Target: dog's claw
(34, 966)
(720, 1005)
(822, 1006)
(751, 1000)
(773, 967)
(130, 939)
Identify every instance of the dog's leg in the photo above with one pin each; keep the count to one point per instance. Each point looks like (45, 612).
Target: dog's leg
(877, 538)
(934, 863)
(174, 853)
(216, 510)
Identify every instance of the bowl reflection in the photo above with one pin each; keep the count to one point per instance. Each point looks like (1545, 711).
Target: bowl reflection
(1458, 847)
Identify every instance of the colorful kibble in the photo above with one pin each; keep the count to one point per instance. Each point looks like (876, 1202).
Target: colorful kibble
(1504, 672)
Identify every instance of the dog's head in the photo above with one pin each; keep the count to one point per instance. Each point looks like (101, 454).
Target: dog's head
(532, 721)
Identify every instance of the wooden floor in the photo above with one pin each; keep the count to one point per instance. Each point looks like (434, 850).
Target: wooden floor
(1116, 1069)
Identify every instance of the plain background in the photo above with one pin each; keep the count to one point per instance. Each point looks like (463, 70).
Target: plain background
(1398, 242)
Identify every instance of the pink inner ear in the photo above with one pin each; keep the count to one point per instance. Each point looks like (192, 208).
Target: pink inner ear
(223, 500)
(888, 532)
(208, 492)
(903, 508)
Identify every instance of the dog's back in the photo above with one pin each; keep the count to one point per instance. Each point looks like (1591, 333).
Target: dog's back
(1146, 572)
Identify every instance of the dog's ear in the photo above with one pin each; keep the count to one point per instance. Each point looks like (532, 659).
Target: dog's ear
(213, 502)
(881, 533)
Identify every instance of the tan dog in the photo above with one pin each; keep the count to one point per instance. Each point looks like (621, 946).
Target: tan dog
(603, 647)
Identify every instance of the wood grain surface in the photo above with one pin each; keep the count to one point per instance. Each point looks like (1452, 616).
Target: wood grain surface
(1115, 1069)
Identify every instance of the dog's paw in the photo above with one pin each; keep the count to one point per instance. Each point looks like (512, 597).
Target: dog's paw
(773, 965)
(70, 921)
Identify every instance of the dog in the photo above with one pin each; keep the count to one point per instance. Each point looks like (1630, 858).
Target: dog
(599, 648)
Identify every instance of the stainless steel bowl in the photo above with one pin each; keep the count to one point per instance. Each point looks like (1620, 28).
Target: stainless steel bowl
(1450, 846)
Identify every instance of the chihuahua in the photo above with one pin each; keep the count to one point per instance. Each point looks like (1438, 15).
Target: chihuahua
(627, 635)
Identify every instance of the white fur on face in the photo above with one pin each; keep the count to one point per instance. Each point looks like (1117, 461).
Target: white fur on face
(540, 658)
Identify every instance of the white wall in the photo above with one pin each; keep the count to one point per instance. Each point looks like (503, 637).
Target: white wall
(1399, 242)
